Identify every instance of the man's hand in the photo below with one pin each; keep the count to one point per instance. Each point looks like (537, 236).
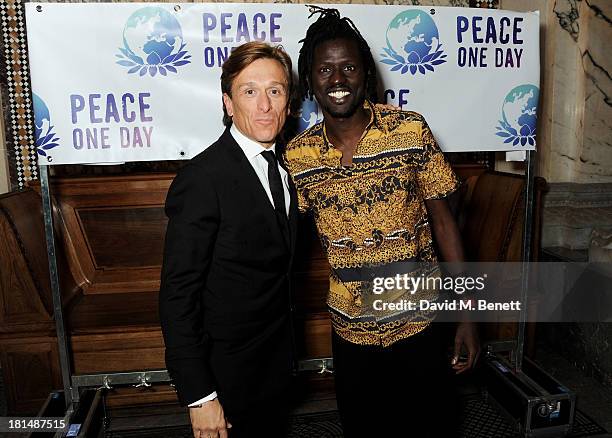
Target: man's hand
(467, 335)
(208, 421)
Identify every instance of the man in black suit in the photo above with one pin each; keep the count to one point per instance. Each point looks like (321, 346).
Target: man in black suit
(224, 298)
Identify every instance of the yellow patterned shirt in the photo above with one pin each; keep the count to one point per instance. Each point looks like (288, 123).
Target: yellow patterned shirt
(371, 216)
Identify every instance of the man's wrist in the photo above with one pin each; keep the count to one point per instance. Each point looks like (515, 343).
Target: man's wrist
(199, 403)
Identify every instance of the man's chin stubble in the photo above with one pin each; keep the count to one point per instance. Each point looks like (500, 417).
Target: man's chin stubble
(344, 114)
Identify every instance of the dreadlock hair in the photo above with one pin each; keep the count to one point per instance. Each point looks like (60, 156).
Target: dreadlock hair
(330, 26)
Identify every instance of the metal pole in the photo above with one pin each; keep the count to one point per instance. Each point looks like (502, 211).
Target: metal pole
(527, 236)
(58, 313)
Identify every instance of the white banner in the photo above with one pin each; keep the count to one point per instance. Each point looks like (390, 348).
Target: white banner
(115, 82)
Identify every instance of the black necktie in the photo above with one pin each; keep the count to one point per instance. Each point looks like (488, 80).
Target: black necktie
(278, 194)
(276, 184)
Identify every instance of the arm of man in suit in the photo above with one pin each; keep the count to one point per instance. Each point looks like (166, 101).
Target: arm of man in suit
(193, 219)
(446, 233)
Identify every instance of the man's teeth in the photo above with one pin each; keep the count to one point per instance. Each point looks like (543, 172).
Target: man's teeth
(338, 94)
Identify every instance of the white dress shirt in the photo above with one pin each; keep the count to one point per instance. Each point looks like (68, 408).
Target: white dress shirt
(253, 151)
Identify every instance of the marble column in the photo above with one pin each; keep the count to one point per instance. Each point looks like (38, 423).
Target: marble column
(578, 68)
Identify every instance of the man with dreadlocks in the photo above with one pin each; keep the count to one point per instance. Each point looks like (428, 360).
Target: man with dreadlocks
(376, 181)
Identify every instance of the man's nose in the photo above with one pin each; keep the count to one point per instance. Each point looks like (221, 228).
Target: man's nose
(263, 103)
(337, 76)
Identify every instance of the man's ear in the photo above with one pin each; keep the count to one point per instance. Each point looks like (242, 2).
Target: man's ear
(227, 101)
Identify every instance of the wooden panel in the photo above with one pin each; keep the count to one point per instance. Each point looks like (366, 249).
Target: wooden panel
(123, 197)
(117, 281)
(490, 214)
(108, 313)
(464, 171)
(310, 288)
(22, 212)
(30, 368)
(19, 299)
(125, 237)
(25, 298)
(311, 271)
(130, 351)
(156, 394)
(313, 336)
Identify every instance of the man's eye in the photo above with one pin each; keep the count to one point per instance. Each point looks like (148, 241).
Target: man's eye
(349, 68)
(324, 70)
(249, 92)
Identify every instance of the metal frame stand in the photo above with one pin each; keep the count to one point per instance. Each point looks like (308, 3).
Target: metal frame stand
(527, 235)
(58, 313)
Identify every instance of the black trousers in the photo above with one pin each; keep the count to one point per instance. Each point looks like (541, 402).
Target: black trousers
(254, 381)
(404, 390)
(266, 421)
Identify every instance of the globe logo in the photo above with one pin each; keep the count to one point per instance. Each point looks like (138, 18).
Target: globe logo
(152, 43)
(519, 115)
(413, 44)
(44, 137)
(310, 115)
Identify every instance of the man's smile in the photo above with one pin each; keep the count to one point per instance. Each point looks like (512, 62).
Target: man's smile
(338, 94)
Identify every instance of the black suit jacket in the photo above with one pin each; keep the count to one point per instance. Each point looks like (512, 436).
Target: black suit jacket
(225, 292)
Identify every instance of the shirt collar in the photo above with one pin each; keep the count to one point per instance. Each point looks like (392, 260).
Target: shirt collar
(250, 147)
(375, 119)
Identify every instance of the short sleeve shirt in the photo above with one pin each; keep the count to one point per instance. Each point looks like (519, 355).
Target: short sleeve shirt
(371, 216)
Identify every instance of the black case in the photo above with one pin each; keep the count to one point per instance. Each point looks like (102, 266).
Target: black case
(535, 402)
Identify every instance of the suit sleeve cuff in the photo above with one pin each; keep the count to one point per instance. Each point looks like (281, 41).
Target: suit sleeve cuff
(209, 397)
(191, 378)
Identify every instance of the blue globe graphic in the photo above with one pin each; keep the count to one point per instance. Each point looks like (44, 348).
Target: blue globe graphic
(519, 109)
(413, 35)
(42, 119)
(311, 115)
(152, 35)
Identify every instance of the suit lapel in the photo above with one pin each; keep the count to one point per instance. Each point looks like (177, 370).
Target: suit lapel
(253, 184)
